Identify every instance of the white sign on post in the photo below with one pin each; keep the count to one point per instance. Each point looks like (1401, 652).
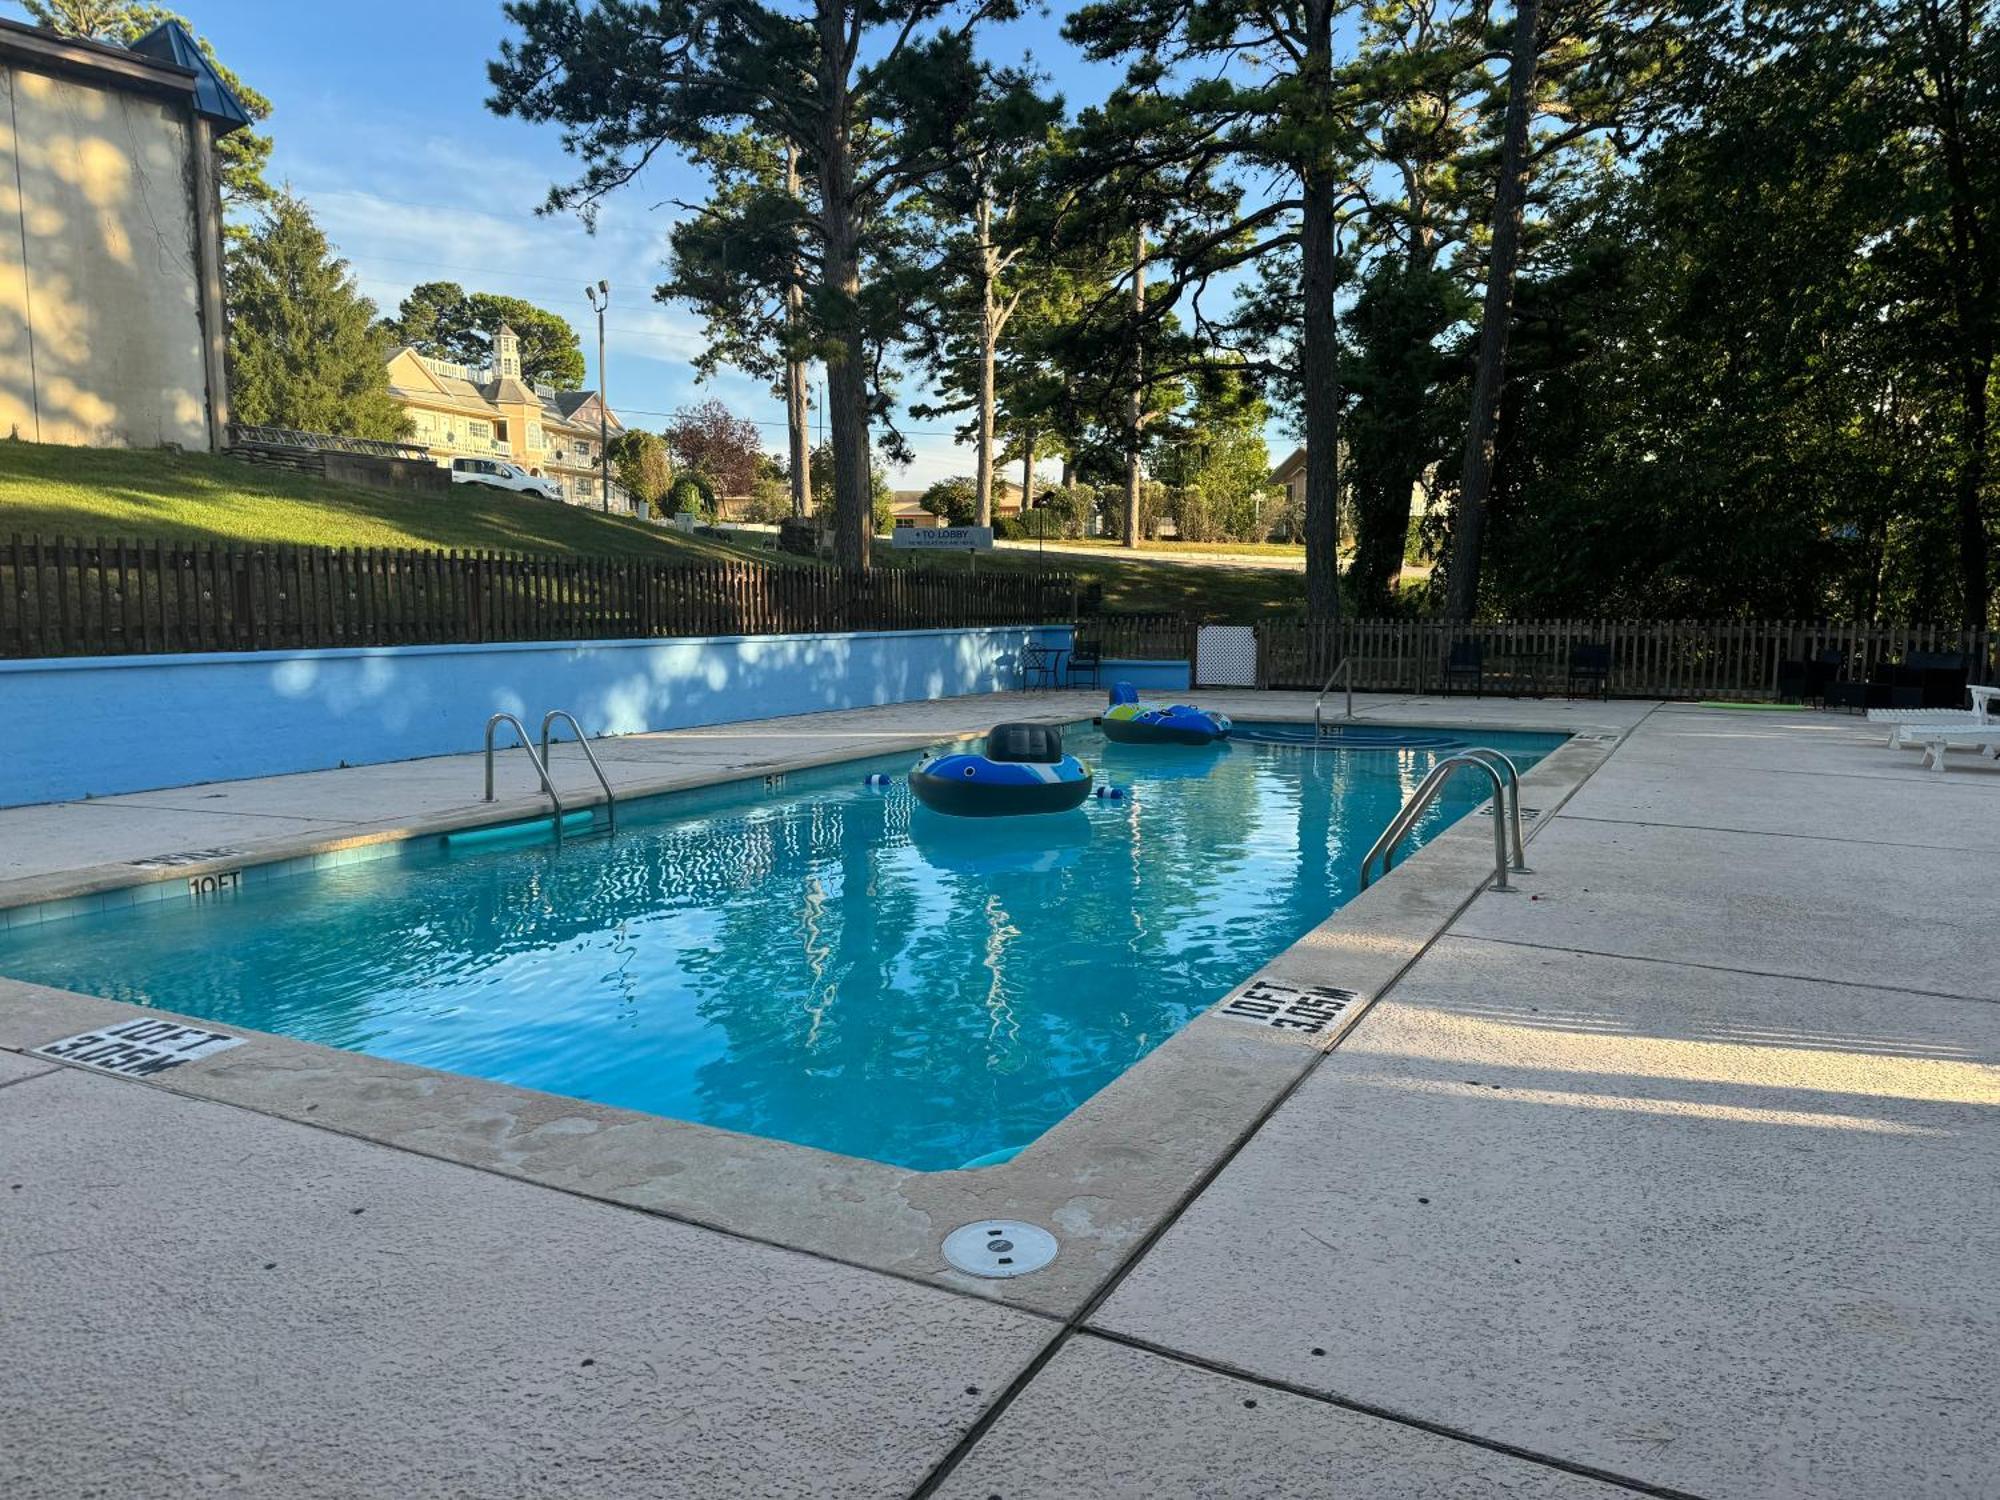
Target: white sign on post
(944, 538)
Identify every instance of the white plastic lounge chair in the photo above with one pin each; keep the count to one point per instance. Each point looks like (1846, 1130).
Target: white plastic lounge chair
(1935, 739)
(1906, 724)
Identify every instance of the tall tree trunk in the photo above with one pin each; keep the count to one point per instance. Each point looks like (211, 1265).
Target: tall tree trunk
(796, 417)
(1135, 411)
(1027, 469)
(1975, 296)
(795, 369)
(846, 360)
(1319, 353)
(983, 500)
(989, 342)
(1468, 530)
(853, 474)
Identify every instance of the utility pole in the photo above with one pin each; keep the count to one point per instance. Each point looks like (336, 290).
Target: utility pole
(594, 293)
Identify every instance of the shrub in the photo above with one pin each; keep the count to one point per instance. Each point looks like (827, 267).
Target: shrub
(1066, 509)
(770, 501)
(954, 501)
(691, 493)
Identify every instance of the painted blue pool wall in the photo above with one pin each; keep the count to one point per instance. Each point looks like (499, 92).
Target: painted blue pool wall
(1149, 676)
(96, 726)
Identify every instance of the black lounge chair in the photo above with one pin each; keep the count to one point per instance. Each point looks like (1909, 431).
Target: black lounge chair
(1466, 664)
(1590, 670)
(1936, 678)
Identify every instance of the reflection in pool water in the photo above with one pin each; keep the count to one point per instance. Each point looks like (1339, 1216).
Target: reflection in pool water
(825, 963)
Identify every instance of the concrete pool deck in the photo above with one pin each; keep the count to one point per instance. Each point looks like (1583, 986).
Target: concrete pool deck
(1671, 1173)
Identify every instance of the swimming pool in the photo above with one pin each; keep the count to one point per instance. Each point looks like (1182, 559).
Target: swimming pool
(817, 960)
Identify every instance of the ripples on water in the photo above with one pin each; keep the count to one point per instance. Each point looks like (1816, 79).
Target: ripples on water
(827, 964)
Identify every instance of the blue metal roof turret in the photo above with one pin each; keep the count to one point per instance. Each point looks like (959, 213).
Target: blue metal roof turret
(170, 42)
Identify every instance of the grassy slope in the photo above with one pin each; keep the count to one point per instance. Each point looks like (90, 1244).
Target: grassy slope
(1295, 551)
(1213, 595)
(114, 493)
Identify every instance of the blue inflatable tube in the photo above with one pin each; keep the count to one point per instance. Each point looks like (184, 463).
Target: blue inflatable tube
(1023, 770)
(1126, 722)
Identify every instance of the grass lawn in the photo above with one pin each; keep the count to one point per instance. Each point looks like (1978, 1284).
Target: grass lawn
(113, 493)
(1216, 596)
(1292, 550)
(86, 493)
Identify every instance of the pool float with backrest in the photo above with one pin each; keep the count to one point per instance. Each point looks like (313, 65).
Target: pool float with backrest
(1128, 722)
(1023, 770)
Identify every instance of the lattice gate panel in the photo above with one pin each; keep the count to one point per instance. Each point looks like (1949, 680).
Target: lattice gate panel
(1225, 656)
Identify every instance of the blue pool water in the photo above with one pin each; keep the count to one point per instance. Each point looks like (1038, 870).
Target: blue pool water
(820, 961)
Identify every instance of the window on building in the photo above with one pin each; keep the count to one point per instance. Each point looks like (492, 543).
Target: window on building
(535, 437)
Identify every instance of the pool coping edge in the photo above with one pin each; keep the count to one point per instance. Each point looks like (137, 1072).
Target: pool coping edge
(1102, 1179)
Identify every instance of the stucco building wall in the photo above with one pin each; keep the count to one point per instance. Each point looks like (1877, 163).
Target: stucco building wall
(101, 336)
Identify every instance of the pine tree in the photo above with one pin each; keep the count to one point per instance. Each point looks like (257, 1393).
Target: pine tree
(441, 319)
(304, 350)
(627, 80)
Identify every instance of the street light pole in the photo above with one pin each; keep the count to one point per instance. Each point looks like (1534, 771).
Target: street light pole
(603, 289)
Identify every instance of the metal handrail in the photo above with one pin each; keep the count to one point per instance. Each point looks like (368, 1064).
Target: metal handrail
(541, 766)
(1501, 762)
(1384, 847)
(610, 797)
(1346, 668)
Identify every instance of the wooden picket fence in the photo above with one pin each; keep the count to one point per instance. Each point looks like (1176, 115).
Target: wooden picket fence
(1141, 637)
(103, 598)
(1700, 659)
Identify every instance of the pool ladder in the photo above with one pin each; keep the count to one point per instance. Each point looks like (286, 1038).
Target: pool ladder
(1506, 813)
(1344, 670)
(541, 762)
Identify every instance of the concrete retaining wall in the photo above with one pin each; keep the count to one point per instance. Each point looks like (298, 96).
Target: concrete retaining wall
(373, 469)
(95, 726)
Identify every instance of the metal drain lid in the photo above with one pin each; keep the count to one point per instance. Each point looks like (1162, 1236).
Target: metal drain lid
(999, 1248)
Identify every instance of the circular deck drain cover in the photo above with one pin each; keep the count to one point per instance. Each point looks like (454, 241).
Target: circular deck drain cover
(999, 1247)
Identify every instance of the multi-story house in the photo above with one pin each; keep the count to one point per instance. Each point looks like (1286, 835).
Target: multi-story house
(459, 411)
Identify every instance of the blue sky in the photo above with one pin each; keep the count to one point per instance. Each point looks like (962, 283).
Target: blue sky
(380, 122)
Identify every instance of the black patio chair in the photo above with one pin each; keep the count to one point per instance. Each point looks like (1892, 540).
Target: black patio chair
(1466, 664)
(1086, 660)
(1589, 669)
(1039, 666)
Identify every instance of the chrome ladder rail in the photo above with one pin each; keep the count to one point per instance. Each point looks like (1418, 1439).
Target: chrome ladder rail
(541, 766)
(1502, 763)
(610, 798)
(1384, 848)
(1345, 669)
